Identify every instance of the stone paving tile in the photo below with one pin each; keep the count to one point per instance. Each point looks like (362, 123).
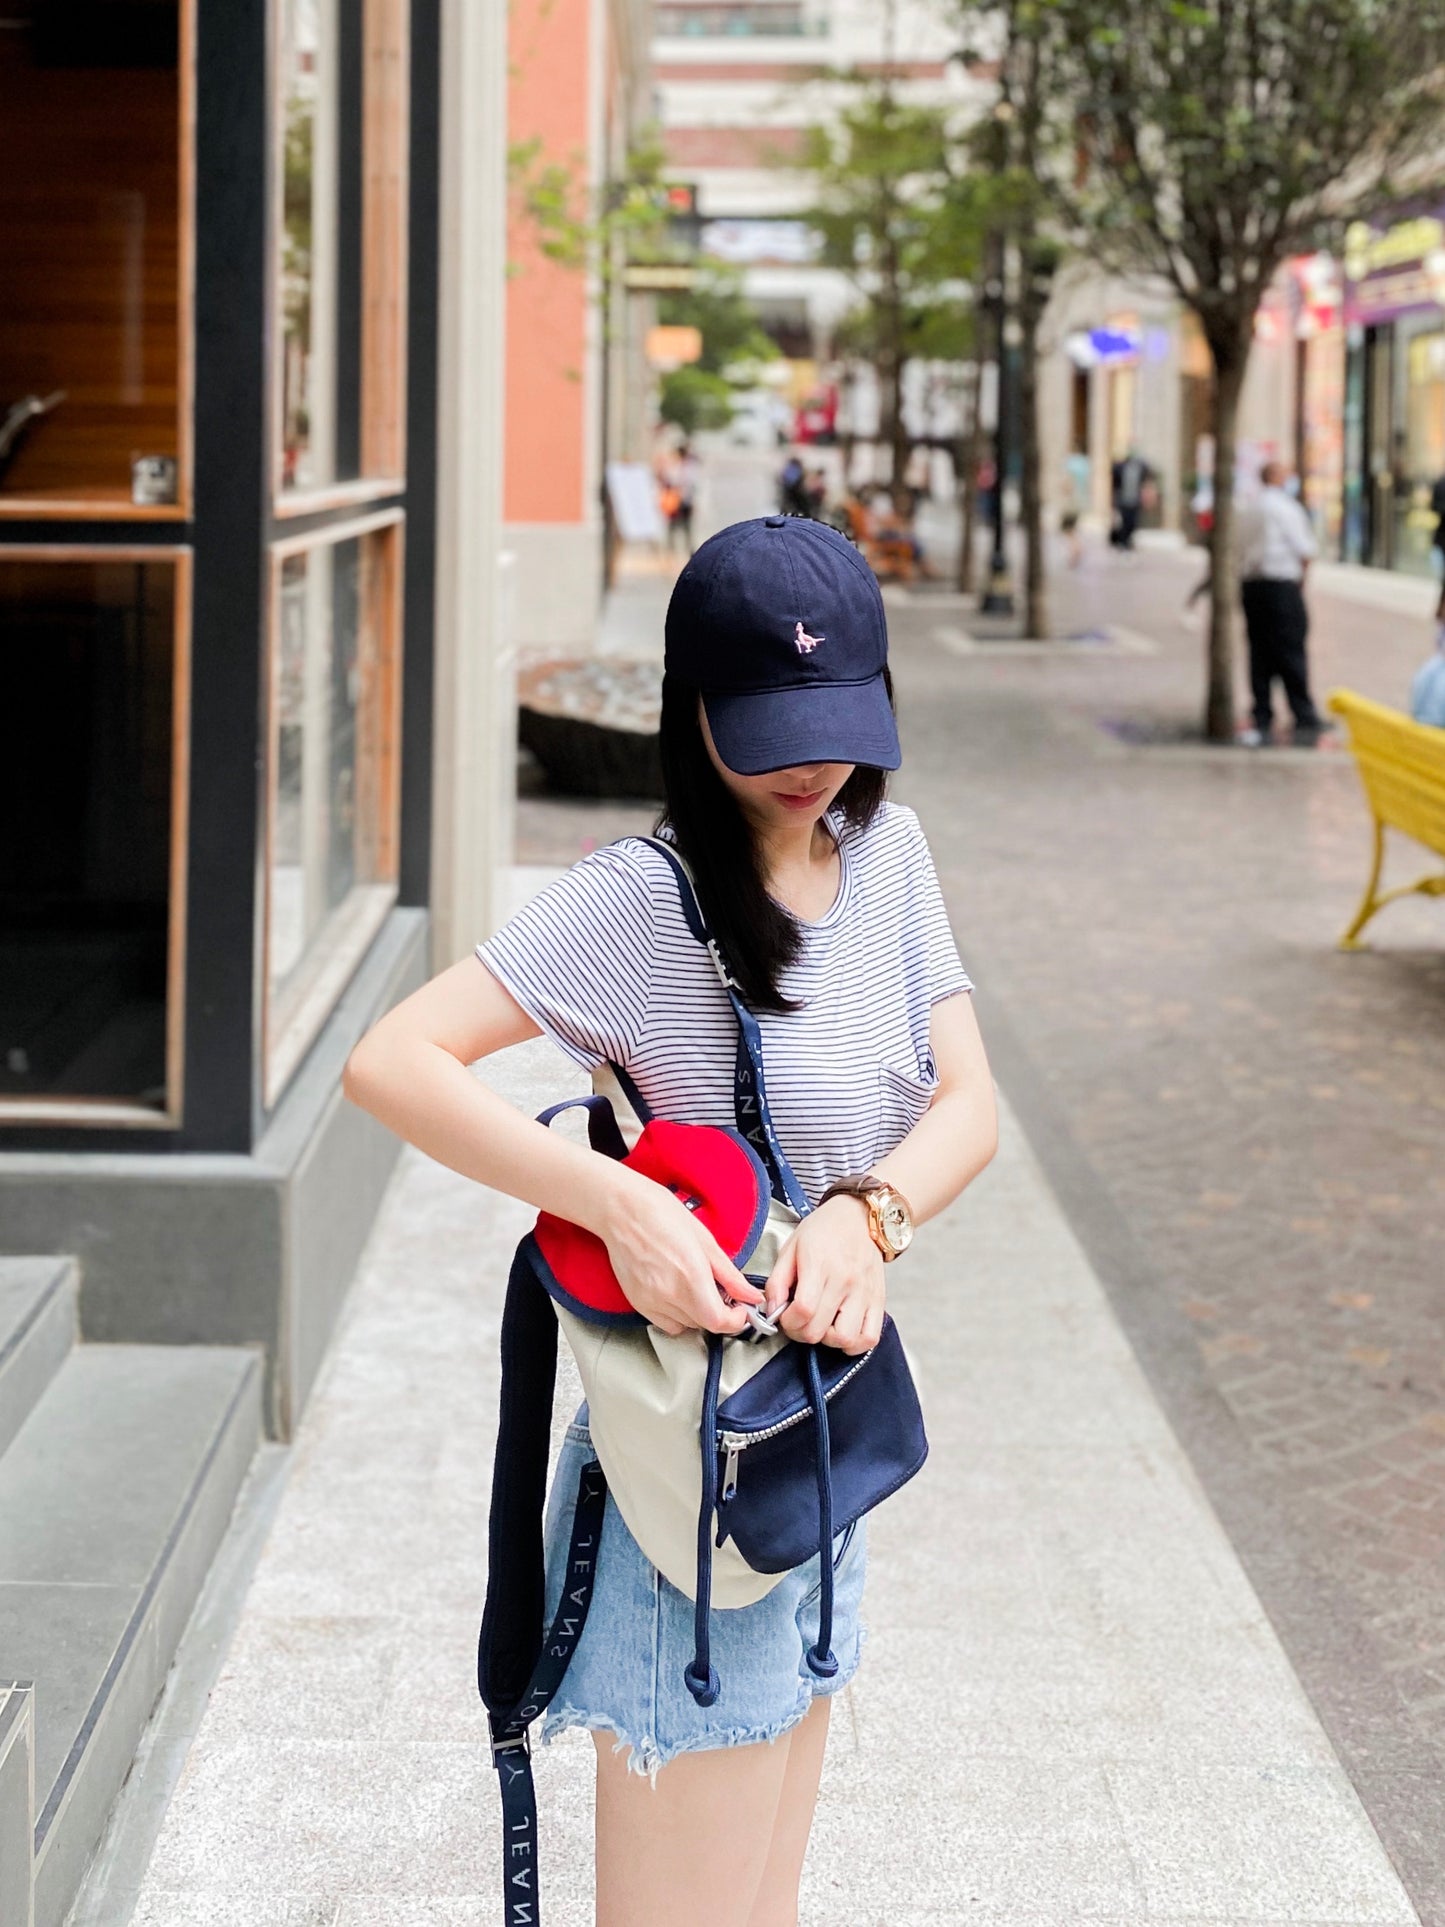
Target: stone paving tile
(159, 1909)
(1000, 1835)
(1276, 1845)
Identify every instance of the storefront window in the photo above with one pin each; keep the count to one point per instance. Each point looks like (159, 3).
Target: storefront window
(1323, 432)
(94, 662)
(308, 278)
(1424, 415)
(93, 318)
(341, 268)
(332, 810)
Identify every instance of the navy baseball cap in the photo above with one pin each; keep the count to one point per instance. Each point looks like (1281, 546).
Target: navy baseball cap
(779, 623)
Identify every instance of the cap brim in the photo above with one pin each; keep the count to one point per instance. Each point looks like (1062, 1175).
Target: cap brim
(766, 729)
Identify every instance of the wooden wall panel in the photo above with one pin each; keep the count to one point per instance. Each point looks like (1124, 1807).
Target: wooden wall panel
(89, 267)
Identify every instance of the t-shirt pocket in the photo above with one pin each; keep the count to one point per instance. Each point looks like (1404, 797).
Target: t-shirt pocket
(903, 1097)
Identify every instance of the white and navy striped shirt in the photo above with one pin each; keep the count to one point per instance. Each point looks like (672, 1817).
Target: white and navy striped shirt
(603, 961)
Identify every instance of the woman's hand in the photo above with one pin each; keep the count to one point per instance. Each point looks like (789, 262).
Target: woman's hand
(834, 1273)
(669, 1264)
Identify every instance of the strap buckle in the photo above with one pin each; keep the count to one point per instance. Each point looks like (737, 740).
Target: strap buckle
(720, 962)
(514, 1743)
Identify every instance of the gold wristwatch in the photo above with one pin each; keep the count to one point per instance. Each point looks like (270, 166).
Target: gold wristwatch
(890, 1220)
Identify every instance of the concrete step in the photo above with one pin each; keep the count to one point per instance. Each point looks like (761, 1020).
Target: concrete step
(114, 1495)
(38, 1325)
(17, 1800)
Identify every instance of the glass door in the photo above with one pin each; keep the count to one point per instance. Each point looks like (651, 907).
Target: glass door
(1384, 445)
(1422, 410)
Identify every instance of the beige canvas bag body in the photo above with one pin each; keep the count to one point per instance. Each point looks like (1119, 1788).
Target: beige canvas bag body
(644, 1401)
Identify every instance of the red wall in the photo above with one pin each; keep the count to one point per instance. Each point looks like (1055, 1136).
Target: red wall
(547, 397)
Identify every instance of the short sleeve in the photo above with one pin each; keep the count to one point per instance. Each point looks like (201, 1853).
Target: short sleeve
(929, 915)
(577, 957)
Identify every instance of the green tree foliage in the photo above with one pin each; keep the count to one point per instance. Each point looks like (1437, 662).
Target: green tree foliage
(695, 398)
(888, 217)
(732, 337)
(580, 226)
(1207, 140)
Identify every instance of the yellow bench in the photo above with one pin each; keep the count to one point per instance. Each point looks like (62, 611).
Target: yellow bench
(1402, 766)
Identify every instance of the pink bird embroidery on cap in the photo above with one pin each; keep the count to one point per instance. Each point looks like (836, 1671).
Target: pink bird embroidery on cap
(805, 643)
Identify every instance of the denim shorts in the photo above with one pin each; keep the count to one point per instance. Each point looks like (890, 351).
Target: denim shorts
(626, 1674)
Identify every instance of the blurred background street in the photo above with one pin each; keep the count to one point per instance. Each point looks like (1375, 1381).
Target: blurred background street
(367, 375)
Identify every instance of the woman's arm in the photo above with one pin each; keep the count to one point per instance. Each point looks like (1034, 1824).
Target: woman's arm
(410, 1071)
(958, 1133)
(831, 1266)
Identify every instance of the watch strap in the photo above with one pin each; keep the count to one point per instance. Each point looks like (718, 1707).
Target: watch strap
(865, 1187)
(853, 1187)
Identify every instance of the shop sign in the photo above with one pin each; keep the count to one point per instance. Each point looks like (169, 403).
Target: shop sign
(1391, 270)
(750, 243)
(1104, 347)
(669, 348)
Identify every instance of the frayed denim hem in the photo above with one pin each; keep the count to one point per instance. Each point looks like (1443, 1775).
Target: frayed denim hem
(647, 1757)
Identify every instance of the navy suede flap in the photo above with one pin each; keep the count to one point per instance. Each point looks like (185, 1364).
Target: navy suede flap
(876, 1439)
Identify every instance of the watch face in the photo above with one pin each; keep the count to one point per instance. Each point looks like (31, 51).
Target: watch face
(897, 1226)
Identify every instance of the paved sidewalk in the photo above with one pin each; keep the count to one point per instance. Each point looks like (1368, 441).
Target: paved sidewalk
(1072, 1707)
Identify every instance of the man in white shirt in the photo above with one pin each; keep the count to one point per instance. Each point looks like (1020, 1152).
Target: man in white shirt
(1276, 546)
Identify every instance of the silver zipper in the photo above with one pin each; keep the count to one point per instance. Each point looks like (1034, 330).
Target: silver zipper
(736, 1443)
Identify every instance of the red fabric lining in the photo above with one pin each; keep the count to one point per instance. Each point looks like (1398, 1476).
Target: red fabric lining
(693, 1160)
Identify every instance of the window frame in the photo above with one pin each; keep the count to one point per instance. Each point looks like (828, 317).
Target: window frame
(384, 240)
(283, 1046)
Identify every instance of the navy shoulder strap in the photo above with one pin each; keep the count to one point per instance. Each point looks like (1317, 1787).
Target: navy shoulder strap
(520, 1661)
(750, 1096)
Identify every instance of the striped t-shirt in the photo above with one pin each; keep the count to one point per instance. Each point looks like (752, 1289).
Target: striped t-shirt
(603, 961)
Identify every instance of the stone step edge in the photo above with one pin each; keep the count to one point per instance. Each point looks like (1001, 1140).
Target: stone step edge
(17, 1800)
(48, 1306)
(49, 1823)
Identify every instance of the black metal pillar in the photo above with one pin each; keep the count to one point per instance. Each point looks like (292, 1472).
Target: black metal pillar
(998, 598)
(232, 445)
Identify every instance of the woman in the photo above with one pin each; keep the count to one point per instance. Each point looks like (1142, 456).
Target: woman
(777, 728)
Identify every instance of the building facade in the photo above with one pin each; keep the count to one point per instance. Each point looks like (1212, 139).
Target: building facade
(250, 592)
(260, 749)
(739, 87)
(1346, 386)
(577, 387)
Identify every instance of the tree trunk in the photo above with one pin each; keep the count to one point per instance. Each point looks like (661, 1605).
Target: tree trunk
(1230, 362)
(898, 454)
(897, 431)
(968, 520)
(1031, 507)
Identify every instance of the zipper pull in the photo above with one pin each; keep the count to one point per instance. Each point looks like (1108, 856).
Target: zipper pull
(730, 1472)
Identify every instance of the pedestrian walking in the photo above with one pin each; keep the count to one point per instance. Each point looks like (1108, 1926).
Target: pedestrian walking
(1276, 546)
(680, 495)
(792, 485)
(1076, 502)
(1437, 552)
(1427, 690)
(777, 732)
(1131, 479)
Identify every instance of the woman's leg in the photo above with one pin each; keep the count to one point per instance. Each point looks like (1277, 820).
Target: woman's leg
(694, 1847)
(777, 1901)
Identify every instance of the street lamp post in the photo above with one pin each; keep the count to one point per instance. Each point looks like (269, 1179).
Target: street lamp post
(998, 598)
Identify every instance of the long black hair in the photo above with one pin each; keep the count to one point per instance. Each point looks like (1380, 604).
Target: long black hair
(758, 936)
